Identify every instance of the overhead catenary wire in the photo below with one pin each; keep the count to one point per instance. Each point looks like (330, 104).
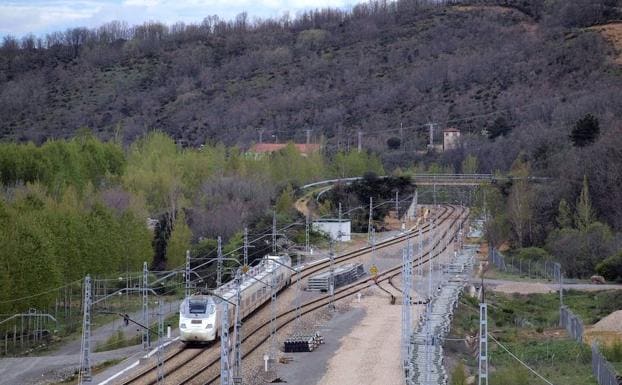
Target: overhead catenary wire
(519, 360)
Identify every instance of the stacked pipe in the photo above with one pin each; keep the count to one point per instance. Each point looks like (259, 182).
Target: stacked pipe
(302, 343)
(344, 275)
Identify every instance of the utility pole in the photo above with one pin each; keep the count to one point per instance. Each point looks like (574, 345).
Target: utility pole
(397, 205)
(219, 264)
(433, 249)
(420, 252)
(274, 232)
(308, 131)
(246, 247)
(373, 247)
(85, 358)
(431, 127)
(160, 351)
(371, 214)
(273, 312)
(187, 274)
(407, 261)
(146, 341)
(307, 234)
(331, 282)
(360, 138)
(483, 340)
(339, 233)
(225, 368)
(261, 135)
(237, 330)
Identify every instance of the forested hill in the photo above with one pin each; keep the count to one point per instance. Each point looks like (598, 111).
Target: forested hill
(527, 64)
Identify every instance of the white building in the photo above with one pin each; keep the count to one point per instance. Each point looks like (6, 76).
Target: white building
(332, 228)
(451, 137)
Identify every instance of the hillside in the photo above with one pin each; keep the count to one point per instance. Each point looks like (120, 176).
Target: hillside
(514, 76)
(328, 71)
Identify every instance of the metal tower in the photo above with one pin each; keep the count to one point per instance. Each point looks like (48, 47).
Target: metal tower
(187, 274)
(420, 253)
(397, 205)
(307, 234)
(274, 232)
(373, 246)
(146, 342)
(225, 369)
(245, 247)
(85, 357)
(483, 343)
(273, 312)
(219, 263)
(160, 352)
(369, 223)
(237, 330)
(339, 233)
(331, 279)
(407, 261)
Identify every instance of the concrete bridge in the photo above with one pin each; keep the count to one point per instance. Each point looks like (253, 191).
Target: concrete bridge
(439, 180)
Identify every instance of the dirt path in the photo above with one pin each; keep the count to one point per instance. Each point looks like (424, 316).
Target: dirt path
(370, 353)
(506, 286)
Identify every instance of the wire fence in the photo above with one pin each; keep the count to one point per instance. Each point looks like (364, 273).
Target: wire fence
(603, 371)
(523, 267)
(572, 323)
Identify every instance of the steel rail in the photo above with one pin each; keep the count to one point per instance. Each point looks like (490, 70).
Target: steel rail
(140, 377)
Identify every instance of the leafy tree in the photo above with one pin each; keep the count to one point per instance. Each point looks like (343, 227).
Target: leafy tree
(611, 267)
(285, 202)
(520, 202)
(585, 131)
(179, 242)
(564, 216)
(394, 143)
(469, 164)
(585, 214)
(534, 254)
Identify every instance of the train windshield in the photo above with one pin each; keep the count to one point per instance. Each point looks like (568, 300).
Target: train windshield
(200, 307)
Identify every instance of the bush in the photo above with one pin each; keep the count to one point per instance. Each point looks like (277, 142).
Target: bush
(611, 268)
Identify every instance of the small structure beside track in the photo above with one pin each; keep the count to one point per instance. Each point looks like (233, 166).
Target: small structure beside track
(343, 275)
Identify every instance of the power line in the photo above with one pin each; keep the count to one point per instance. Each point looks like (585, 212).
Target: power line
(519, 360)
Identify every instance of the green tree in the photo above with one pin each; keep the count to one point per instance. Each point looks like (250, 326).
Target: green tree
(585, 131)
(520, 202)
(611, 267)
(285, 202)
(564, 216)
(179, 242)
(469, 164)
(585, 214)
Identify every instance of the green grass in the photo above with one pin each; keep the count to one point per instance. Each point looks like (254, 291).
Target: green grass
(73, 380)
(528, 326)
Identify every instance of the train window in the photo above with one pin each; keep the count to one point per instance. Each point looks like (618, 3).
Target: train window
(198, 307)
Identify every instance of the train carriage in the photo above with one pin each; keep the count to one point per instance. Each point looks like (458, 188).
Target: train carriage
(199, 315)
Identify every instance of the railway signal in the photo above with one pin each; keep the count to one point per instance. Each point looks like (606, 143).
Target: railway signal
(373, 270)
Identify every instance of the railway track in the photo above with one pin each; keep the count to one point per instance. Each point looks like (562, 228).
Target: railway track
(194, 360)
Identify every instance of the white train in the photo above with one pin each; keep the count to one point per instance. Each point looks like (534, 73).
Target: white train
(199, 315)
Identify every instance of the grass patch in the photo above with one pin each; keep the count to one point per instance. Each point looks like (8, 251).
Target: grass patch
(528, 326)
(118, 341)
(73, 380)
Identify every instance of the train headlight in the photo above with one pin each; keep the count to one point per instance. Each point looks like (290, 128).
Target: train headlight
(209, 326)
(182, 326)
